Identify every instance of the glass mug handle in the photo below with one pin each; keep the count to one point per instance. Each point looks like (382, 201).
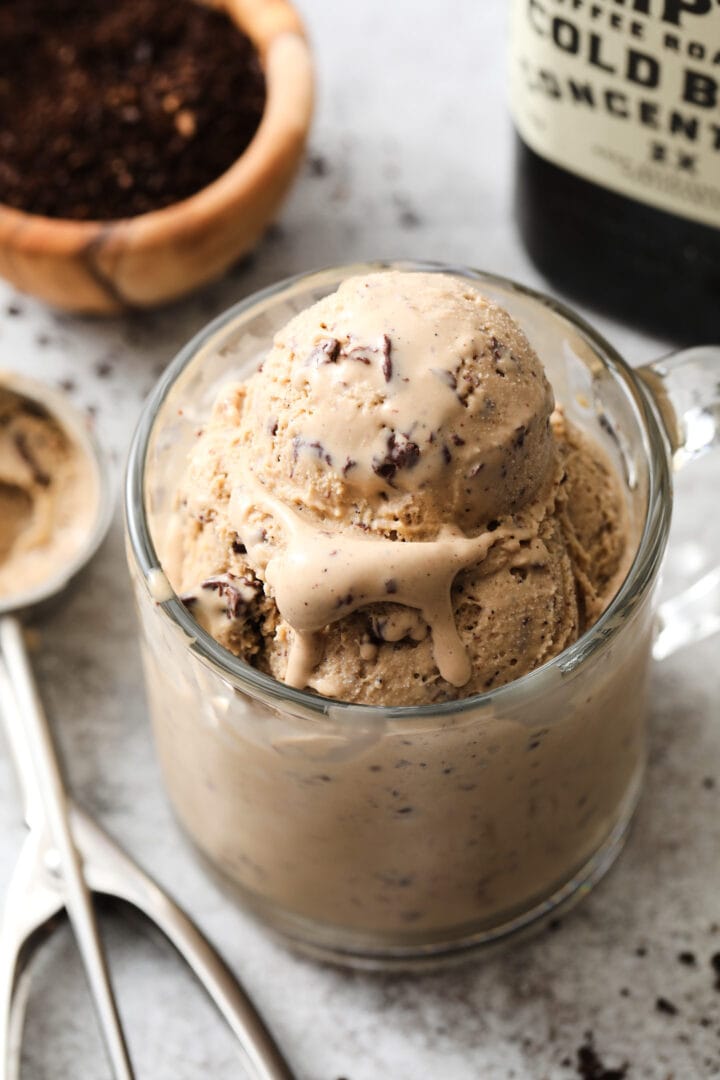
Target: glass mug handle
(685, 390)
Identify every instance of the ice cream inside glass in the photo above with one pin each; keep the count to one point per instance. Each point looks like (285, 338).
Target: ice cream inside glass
(394, 536)
(389, 511)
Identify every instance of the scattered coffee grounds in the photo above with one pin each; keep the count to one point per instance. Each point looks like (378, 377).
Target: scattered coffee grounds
(111, 110)
(590, 1067)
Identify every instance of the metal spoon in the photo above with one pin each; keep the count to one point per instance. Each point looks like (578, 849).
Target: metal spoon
(67, 855)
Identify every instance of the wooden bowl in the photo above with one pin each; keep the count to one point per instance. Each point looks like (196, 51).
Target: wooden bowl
(138, 262)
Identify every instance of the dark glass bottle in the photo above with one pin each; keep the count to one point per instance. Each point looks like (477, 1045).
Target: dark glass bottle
(622, 119)
(652, 268)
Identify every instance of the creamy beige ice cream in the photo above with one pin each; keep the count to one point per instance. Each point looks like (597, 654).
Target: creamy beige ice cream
(390, 511)
(49, 493)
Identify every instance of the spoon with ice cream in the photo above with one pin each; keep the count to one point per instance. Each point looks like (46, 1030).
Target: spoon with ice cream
(55, 508)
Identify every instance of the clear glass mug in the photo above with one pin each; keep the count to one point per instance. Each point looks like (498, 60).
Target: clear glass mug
(401, 835)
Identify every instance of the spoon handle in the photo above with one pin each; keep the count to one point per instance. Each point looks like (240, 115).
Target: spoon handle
(51, 790)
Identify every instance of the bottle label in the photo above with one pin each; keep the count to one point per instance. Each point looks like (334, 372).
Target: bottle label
(625, 93)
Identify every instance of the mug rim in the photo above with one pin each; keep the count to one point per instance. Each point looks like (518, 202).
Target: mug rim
(640, 575)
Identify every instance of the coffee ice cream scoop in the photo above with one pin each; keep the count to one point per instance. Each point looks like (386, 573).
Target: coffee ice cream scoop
(401, 397)
(388, 510)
